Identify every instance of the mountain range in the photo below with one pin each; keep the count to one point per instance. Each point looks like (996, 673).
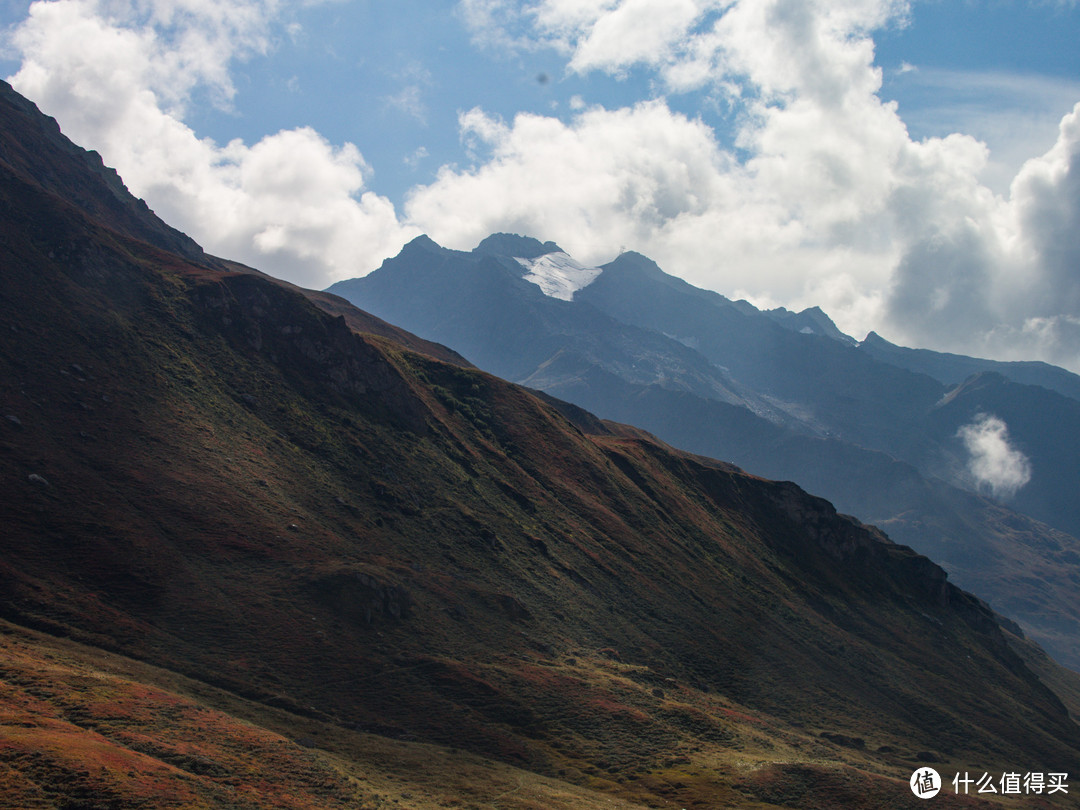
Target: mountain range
(875, 428)
(263, 549)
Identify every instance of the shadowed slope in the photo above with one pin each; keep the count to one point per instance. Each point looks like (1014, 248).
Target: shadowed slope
(32, 146)
(207, 472)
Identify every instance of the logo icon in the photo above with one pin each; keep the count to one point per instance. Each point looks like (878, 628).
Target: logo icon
(925, 783)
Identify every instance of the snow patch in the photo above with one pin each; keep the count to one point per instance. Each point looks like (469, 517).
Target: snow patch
(558, 275)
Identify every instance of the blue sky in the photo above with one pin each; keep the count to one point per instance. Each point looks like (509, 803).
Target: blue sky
(422, 72)
(908, 166)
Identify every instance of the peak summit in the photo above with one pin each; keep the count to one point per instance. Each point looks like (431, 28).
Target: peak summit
(548, 266)
(516, 246)
(423, 242)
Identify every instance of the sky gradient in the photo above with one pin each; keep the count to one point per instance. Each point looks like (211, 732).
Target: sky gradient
(911, 167)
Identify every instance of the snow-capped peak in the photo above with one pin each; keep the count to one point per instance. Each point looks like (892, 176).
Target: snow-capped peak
(558, 275)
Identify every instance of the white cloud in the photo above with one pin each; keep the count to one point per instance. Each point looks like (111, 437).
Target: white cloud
(1015, 115)
(632, 32)
(499, 24)
(998, 277)
(1046, 197)
(610, 177)
(409, 100)
(831, 201)
(119, 76)
(995, 465)
(167, 48)
(416, 158)
(414, 79)
(696, 42)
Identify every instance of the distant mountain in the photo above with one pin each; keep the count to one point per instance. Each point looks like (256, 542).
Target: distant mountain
(481, 304)
(953, 369)
(1041, 424)
(827, 388)
(810, 321)
(782, 395)
(251, 557)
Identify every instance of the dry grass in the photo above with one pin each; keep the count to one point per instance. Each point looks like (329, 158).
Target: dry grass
(82, 727)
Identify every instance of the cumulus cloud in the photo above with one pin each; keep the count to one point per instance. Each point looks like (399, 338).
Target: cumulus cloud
(1016, 115)
(998, 277)
(79, 50)
(613, 37)
(1046, 196)
(830, 200)
(995, 465)
(610, 177)
(119, 76)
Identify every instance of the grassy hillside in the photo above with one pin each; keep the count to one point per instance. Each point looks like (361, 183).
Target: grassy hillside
(249, 552)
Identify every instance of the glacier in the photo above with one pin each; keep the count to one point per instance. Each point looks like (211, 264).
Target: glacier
(558, 275)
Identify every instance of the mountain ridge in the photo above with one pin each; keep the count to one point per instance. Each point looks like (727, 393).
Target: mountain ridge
(31, 144)
(953, 369)
(641, 346)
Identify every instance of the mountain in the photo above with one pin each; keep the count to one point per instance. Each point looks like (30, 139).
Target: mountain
(32, 146)
(252, 557)
(811, 321)
(509, 326)
(781, 395)
(953, 369)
